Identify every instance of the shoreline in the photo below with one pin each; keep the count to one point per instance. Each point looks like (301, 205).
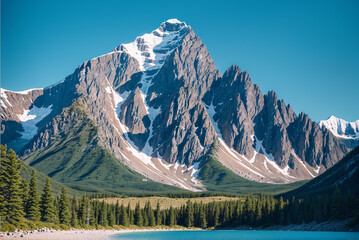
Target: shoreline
(105, 234)
(79, 234)
(329, 226)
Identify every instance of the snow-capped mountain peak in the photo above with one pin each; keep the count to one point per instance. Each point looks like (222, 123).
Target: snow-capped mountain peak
(151, 49)
(341, 128)
(172, 25)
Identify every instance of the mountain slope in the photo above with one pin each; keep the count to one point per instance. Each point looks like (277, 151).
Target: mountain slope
(157, 105)
(216, 177)
(345, 174)
(75, 159)
(56, 187)
(261, 138)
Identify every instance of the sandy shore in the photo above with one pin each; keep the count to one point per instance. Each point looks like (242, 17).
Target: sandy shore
(75, 234)
(80, 234)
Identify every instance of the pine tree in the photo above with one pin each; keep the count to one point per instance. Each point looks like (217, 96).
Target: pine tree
(202, 217)
(92, 206)
(337, 203)
(158, 214)
(258, 213)
(64, 211)
(151, 216)
(33, 203)
(2, 181)
(12, 205)
(130, 214)
(144, 217)
(216, 215)
(249, 210)
(117, 213)
(138, 216)
(281, 211)
(74, 221)
(24, 194)
(111, 216)
(226, 214)
(103, 214)
(82, 216)
(171, 217)
(164, 218)
(189, 218)
(123, 216)
(47, 204)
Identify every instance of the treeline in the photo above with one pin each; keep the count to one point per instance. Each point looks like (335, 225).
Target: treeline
(20, 202)
(185, 194)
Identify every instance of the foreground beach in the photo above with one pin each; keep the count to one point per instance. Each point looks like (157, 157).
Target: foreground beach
(78, 234)
(81, 234)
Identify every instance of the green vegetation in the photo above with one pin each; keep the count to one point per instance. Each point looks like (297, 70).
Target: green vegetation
(217, 177)
(33, 201)
(11, 205)
(76, 160)
(26, 173)
(47, 204)
(164, 202)
(64, 208)
(85, 213)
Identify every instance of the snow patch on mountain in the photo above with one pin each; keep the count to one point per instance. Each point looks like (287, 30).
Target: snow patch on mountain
(211, 113)
(341, 128)
(317, 170)
(195, 169)
(29, 119)
(303, 164)
(22, 92)
(4, 98)
(269, 159)
(151, 51)
(119, 99)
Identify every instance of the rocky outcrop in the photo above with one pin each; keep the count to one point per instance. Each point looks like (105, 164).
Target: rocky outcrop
(314, 145)
(245, 116)
(177, 90)
(71, 118)
(134, 116)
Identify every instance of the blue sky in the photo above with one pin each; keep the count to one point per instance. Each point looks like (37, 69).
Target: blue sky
(306, 51)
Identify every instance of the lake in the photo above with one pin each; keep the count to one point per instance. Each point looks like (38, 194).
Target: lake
(242, 235)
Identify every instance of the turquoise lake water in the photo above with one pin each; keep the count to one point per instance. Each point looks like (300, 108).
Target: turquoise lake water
(238, 235)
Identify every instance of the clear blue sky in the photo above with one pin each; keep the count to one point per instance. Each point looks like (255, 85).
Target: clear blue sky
(306, 51)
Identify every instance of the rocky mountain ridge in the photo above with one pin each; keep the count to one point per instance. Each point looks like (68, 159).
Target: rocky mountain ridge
(160, 103)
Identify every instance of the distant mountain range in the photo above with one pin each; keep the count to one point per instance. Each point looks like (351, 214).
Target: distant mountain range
(151, 111)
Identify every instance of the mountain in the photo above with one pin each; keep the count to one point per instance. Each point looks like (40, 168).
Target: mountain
(341, 128)
(347, 132)
(155, 107)
(345, 174)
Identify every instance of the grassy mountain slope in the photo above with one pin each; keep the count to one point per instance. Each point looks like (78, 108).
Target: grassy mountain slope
(77, 160)
(217, 177)
(345, 174)
(56, 187)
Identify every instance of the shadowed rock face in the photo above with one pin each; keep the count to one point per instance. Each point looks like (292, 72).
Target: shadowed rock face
(162, 98)
(177, 90)
(134, 116)
(243, 111)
